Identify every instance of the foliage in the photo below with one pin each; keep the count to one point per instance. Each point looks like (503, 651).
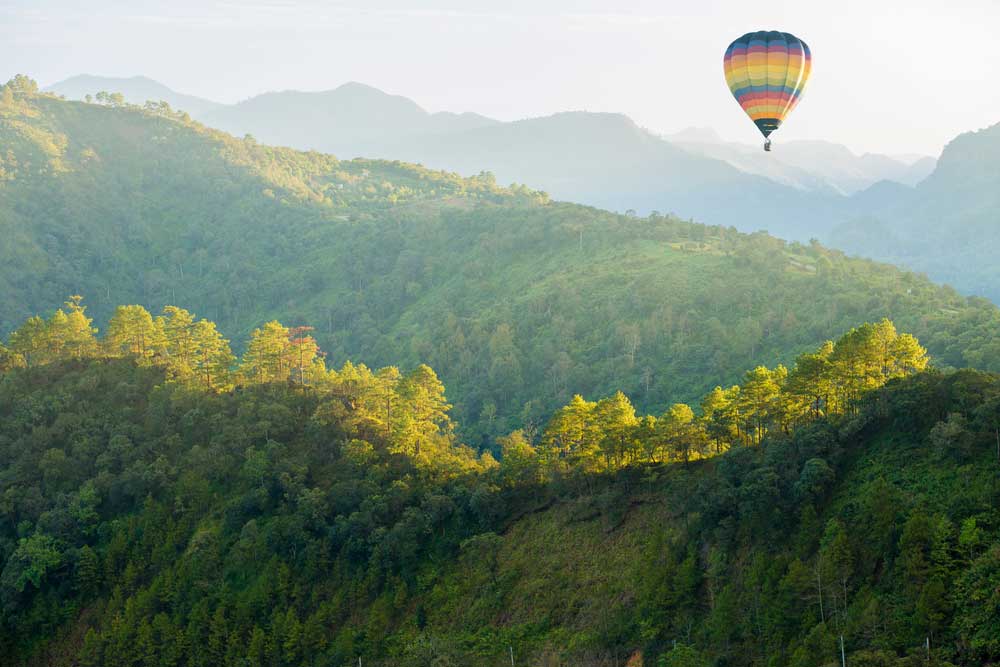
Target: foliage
(150, 518)
(516, 301)
(828, 382)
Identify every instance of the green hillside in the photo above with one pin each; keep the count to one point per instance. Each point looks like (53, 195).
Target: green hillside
(149, 520)
(518, 302)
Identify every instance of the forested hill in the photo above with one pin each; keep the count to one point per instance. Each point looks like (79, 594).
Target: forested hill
(152, 518)
(517, 302)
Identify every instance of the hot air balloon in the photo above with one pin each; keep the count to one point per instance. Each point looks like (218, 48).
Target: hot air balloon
(766, 72)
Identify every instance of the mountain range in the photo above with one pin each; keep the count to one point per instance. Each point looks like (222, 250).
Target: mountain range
(947, 226)
(809, 165)
(599, 159)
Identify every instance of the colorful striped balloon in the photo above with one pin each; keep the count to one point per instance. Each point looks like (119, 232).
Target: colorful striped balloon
(766, 72)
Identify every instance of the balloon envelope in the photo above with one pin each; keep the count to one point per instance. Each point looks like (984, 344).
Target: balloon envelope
(766, 72)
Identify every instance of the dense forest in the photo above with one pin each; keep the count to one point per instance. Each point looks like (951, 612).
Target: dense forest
(167, 503)
(662, 443)
(518, 302)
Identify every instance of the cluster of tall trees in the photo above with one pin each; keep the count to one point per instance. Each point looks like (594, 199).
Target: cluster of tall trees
(409, 410)
(608, 434)
(190, 349)
(585, 435)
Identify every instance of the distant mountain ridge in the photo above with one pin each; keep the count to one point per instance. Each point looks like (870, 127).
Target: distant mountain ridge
(808, 165)
(135, 89)
(598, 159)
(606, 160)
(352, 120)
(947, 226)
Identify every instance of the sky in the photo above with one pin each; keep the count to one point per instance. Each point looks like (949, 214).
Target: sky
(889, 76)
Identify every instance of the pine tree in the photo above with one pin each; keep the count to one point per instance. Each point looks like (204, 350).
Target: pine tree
(424, 413)
(30, 341)
(133, 332)
(92, 651)
(267, 358)
(8, 359)
(615, 420)
(79, 336)
(718, 417)
(88, 572)
(305, 359)
(256, 655)
(212, 359)
(680, 433)
(571, 434)
(180, 345)
(758, 393)
(218, 637)
(291, 638)
(812, 380)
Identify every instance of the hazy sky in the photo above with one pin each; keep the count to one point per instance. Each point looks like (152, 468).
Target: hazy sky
(894, 76)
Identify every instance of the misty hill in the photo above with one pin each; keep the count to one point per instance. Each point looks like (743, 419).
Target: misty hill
(608, 161)
(136, 89)
(517, 301)
(946, 226)
(602, 160)
(353, 120)
(808, 165)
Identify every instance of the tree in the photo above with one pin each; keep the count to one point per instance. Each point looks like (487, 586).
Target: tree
(212, 359)
(868, 356)
(33, 559)
(519, 462)
(92, 651)
(977, 598)
(256, 652)
(951, 436)
(682, 655)
(758, 401)
(811, 379)
(837, 558)
(23, 85)
(614, 419)
(70, 333)
(267, 358)
(680, 433)
(8, 360)
(30, 341)
(79, 335)
(180, 345)
(132, 332)
(88, 571)
(720, 416)
(424, 413)
(571, 435)
(306, 359)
